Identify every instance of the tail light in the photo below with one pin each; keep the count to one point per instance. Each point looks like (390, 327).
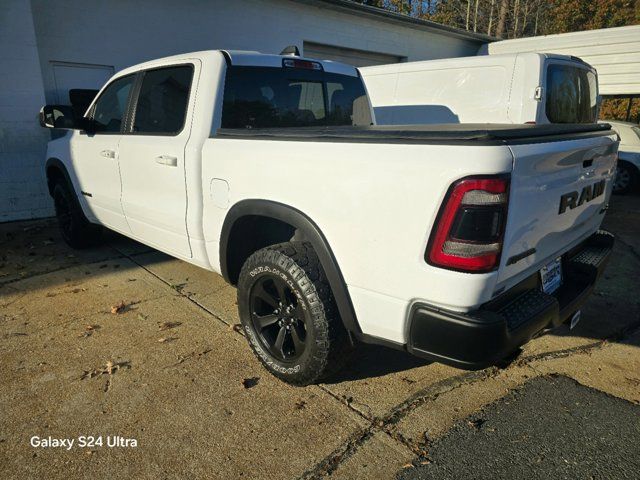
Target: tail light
(469, 230)
(297, 63)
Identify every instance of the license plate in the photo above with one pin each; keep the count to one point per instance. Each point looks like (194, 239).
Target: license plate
(551, 276)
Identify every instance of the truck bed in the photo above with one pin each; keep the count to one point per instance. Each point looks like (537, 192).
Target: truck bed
(476, 133)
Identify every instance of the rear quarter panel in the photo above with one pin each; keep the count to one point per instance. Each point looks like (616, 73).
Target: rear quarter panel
(375, 203)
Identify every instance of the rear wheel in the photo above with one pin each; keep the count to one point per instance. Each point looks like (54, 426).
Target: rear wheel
(289, 315)
(626, 177)
(76, 230)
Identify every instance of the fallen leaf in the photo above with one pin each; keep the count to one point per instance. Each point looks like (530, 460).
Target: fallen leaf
(119, 308)
(301, 405)
(109, 369)
(168, 325)
(167, 339)
(142, 316)
(236, 327)
(250, 382)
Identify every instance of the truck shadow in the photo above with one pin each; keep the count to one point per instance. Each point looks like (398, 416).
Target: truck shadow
(371, 361)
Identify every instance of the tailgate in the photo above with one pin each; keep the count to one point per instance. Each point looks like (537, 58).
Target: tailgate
(558, 194)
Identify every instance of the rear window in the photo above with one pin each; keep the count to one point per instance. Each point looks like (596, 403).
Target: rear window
(571, 95)
(266, 97)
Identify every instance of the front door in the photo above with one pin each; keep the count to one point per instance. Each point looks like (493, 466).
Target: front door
(152, 160)
(95, 155)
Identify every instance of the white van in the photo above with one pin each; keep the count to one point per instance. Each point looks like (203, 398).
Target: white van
(537, 88)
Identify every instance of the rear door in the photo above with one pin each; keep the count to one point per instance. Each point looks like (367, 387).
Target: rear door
(558, 194)
(152, 158)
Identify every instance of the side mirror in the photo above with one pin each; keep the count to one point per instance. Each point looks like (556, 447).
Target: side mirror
(60, 116)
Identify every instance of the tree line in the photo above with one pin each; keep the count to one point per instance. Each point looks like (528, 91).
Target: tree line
(518, 18)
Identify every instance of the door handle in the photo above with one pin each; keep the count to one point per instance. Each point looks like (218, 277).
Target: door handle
(167, 160)
(108, 153)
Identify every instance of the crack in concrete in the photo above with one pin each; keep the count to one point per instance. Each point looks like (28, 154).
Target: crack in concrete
(179, 292)
(331, 462)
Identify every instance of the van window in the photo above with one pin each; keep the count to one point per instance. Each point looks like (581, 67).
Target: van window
(571, 95)
(264, 97)
(109, 109)
(163, 100)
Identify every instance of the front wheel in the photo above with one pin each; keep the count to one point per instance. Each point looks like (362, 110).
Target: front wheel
(289, 315)
(76, 230)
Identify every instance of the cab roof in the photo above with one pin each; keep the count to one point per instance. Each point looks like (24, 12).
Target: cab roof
(241, 58)
(257, 59)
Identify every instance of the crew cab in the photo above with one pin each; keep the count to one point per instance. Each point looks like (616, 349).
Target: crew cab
(457, 243)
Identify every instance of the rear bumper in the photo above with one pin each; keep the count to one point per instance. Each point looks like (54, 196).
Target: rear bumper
(485, 336)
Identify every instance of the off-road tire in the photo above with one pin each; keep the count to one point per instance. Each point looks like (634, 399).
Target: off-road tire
(76, 230)
(326, 345)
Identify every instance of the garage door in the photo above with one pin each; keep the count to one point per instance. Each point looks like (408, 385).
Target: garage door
(357, 58)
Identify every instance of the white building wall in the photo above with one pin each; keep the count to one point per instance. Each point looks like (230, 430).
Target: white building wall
(22, 141)
(95, 35)
(122, 33)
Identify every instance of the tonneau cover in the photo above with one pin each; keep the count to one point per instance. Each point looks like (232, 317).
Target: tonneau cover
(484, 133)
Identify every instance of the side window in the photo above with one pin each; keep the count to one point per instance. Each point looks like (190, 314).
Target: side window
(109, 109)
(162, 103)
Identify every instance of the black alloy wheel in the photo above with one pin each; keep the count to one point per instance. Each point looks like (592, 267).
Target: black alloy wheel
(76, 230)
(64, 215)
(278, 318)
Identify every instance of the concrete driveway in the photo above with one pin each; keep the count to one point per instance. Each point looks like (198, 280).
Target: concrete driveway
(123, 341)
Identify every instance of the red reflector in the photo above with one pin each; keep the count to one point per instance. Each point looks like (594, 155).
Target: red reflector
(475, 247)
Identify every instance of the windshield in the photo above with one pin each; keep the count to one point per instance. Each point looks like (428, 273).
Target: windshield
(266, 97)
(572, 95)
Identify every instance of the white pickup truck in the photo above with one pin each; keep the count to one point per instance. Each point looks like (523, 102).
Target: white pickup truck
(457, 243)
